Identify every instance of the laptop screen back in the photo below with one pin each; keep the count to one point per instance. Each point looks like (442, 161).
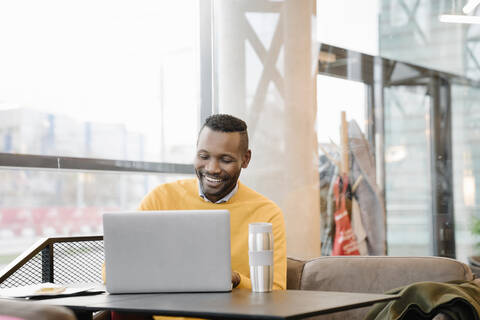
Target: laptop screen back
(167, 251)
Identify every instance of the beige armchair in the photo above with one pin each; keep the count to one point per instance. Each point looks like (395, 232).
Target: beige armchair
(372, 274)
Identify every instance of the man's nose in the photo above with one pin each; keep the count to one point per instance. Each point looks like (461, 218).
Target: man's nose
(213, 167)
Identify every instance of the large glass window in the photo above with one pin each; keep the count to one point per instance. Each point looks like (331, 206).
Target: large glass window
(92, 79)
(449, 47)
(418, 157)
(99, 79)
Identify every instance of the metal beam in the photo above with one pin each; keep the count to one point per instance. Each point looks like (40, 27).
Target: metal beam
(9, 161)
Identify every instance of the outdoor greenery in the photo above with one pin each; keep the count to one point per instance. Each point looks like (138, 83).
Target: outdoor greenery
(476, 231)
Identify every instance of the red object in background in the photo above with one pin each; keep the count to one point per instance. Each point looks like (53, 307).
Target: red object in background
(47, 221)
(345, 243)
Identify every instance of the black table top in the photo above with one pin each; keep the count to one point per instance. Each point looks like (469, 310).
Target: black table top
(238, 304)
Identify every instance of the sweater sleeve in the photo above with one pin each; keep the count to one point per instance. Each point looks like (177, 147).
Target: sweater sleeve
(279, 255)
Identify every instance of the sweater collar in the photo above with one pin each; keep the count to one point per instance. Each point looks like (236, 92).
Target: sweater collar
(223, 200)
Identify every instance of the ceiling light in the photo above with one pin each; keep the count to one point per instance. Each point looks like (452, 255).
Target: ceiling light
(470, 6)
(456, 18)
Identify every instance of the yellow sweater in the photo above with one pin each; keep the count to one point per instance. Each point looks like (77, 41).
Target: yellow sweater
(245, 207)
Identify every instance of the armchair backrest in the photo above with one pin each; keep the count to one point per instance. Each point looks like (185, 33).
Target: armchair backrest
(369, 274)
(375, 274)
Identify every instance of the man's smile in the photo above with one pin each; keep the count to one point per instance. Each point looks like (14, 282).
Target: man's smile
(212, 181)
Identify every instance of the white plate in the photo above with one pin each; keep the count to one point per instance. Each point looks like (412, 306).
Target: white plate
(31, 291)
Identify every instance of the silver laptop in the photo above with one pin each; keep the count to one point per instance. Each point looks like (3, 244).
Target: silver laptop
(167, 251)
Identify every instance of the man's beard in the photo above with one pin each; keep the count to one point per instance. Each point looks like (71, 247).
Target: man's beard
(225, 186)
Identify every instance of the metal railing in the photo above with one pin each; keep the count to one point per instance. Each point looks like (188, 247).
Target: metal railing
(62, 260)
(29, 161)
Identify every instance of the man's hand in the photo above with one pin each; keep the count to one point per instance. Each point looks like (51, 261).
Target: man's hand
(235, 279)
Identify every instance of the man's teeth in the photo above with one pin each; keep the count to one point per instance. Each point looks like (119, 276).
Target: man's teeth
(212, 179)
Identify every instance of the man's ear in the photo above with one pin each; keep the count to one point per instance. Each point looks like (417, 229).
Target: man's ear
(246, 158)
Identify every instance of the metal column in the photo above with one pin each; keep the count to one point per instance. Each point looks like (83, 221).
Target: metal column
(443, 227)
(207, 102)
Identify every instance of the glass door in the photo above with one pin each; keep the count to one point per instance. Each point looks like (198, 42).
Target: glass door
(408, 189)
(466, 167)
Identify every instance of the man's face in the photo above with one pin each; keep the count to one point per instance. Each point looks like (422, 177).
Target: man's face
(219, 160)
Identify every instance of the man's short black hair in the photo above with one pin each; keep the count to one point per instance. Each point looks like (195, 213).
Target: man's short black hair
(225, 123)
(228, 123)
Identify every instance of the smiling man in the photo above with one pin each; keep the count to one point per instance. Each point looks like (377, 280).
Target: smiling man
(222, 153)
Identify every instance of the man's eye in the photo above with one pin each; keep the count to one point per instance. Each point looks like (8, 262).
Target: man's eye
(203, 156)
(227, 160)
